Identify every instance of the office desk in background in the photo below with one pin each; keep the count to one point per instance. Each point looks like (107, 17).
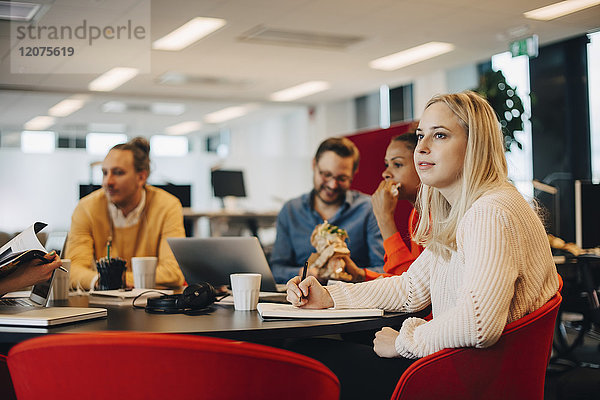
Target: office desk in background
(223, 223)
(223, 321)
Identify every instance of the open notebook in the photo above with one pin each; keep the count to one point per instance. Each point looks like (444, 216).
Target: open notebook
(272, 310)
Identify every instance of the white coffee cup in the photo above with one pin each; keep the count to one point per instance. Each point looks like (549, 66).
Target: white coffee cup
(245, 288)
(60, 283)
(144, 272)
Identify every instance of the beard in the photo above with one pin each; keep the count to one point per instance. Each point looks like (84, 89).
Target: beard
(331, 197)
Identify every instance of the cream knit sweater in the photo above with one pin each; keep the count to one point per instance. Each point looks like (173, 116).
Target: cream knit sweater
(501, 271)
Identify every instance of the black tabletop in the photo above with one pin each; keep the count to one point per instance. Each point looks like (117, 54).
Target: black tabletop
(220, 320)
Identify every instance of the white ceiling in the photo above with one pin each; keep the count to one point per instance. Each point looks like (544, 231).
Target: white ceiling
(233, 72)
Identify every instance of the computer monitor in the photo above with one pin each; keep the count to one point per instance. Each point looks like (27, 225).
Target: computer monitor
(228, 183)
(587, 214)
(182, 192)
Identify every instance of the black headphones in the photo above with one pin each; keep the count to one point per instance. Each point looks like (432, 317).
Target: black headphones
(195, 298)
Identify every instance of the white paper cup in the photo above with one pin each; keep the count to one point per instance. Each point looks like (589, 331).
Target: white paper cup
(60, 284)
(245, 288)
(144, 272)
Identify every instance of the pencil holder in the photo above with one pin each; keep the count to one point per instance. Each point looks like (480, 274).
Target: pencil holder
(111, 273)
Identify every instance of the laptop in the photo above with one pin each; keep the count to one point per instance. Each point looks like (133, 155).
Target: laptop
(213, 259)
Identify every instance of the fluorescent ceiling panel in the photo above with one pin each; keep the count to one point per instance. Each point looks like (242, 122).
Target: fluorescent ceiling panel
(299, 91)
(183, 128)
(411, 56)
(67, 106)
(188, 33)
(228, 113)
(557, 10)
(39, 123)
(17, 11)
(112, 79)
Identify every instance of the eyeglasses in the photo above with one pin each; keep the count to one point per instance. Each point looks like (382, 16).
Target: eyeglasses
(327, 176)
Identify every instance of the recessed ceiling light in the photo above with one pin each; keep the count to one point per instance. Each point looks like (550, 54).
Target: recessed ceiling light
(167, 108)
(114, 107)
(188, 33)
(228, 113)
(557, 10)
(67, 106)
(106, 127)
(183, 128)
(411, 56)
(112, 79)
(299, 91)
(39, 123)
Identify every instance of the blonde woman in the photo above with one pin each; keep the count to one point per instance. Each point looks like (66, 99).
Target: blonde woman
(487, 261)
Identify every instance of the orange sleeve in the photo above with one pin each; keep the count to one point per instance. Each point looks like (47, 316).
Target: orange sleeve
(398, 257)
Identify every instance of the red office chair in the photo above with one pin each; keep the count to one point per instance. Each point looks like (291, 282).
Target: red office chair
(6, 387)
(126, 365)
(514, 368)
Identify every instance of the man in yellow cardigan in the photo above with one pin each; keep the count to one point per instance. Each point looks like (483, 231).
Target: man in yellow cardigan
(134, 217)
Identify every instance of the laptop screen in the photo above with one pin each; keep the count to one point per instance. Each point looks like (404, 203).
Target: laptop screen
(42, 289)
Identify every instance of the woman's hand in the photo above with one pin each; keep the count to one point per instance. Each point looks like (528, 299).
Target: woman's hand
(308, 294)
(358, 274)
(384, 343)
(384, 206)
(30, 273)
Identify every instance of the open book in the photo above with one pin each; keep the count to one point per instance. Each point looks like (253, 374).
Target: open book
(272, 310)
(22, 248)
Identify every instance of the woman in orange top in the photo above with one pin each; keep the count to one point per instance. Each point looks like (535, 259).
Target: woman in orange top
(400, 182)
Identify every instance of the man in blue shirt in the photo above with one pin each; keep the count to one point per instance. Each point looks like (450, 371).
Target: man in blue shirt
(331, 199)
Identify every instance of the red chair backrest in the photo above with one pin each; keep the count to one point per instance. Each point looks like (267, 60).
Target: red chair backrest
(514, 368)
(126, 365)
(372, 146)
(6, 387)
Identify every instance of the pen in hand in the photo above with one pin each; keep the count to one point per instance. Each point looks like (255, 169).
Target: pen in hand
(304, 276)
(304, 271)
(47, 261)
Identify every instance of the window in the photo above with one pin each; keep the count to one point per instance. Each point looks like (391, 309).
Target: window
(520, 162)
(101, 143)
(169, 146)
(38, 142)
(594, 93)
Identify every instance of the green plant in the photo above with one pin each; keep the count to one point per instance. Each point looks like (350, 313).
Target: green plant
(506, 102)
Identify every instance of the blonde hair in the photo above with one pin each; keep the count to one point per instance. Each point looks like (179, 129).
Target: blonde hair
(484, 168)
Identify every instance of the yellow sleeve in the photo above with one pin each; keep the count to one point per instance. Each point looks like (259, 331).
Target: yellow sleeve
(80, 248)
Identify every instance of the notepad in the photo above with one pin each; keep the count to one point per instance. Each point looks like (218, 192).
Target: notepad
(271, 310)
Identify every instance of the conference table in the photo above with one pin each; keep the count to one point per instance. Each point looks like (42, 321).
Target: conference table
(221, 320)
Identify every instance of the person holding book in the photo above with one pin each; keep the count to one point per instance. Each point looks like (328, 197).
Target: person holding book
(30, 273)
(487, 260)
(125, 218)
(400, 182)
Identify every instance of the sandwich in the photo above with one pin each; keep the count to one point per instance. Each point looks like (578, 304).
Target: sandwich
(329, 241)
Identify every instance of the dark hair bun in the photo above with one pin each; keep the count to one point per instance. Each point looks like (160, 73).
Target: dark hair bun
(141, 143)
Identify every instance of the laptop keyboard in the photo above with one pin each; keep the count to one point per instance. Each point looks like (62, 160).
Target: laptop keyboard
(14, 302)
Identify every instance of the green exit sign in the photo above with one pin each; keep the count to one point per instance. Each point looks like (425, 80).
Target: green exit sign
(525, 47)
